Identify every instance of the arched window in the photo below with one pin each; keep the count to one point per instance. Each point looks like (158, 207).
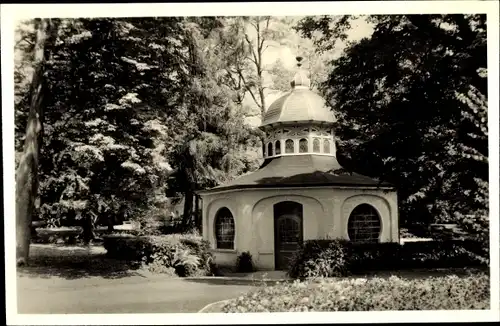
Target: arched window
(364, 224)
(224, 229)
(303, 146)
(270, 149)
(277, 147)
(289, 146)
(316, 145)
(326, 146)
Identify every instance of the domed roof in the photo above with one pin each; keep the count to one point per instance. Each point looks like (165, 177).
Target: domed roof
(299, 105)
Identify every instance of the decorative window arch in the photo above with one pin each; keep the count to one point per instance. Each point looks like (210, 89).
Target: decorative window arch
(303, 146)
(277, 147)
(316, 145)
(326, 146)
(289, 146)
(224, 229)
(270, 149)
(364, 224)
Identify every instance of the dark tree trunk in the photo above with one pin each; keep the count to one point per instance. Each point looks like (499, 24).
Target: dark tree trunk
(88, 229)
(111, 223)
(188, 208)
(197, 212)
(27, 171)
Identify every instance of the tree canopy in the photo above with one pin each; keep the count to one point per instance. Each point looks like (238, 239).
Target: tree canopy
(412, 110)
(134, 110)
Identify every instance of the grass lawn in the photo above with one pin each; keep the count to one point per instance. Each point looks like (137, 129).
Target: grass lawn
(456, 290)
(72, 262)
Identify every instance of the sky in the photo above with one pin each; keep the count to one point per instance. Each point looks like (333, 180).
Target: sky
(359, 30)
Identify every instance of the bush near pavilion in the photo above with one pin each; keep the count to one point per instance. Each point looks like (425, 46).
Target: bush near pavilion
(336, 258)
(176, 254)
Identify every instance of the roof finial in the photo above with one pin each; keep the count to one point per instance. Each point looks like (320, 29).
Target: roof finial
(299, 59)
(300, 80)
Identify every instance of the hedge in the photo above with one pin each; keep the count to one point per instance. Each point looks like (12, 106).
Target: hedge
(331, 258)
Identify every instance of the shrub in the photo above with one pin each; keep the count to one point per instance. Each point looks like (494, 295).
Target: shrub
(330, 262)
(319, 258)
(151, 221)
(394, 293)
(244, 263)
(127, 246)
(185, 263)
(370, 257)
(158, 268)
(186, 254)
(331, 258)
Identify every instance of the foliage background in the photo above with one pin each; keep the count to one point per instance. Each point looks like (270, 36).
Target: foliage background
(138, 110)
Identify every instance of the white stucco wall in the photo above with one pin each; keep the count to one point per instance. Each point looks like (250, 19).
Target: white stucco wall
(325, 215)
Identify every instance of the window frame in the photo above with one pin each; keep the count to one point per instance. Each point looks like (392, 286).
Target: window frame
(277, 145)
(288, 141)
(318, 142)
(353, 224)
(327, 146)
(270, 151)
(217, 233)
(304, 141)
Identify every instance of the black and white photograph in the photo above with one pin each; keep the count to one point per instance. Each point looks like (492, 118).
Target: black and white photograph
(212, 161)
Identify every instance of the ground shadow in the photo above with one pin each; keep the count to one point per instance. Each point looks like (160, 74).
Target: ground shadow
(75, 262)
(232, 281)
(408, 274)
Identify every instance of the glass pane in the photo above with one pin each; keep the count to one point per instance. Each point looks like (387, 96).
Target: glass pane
(316, 145)
(326, 146)
(278, 147)
(303, 147)
(224, 229)
(364, 224)
(270, 149)
(288, 230)
(289, 146)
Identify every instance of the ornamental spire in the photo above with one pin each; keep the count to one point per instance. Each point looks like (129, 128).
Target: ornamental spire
(300, 80)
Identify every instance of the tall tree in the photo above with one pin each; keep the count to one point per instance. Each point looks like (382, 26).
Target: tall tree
(411, 103)
(253, 36)
(211, 134)
(111, 85)
(27, 171)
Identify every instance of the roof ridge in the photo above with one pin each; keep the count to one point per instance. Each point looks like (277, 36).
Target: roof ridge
(309, 106)
(285, 102)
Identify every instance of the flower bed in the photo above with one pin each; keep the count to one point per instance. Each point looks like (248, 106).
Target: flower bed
(179, 254)
(372, 294)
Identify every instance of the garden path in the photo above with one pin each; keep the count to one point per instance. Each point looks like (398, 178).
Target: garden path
(129, 294)
(78, 279)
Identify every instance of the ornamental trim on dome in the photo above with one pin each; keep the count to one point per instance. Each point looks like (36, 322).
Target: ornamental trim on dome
(315, 140)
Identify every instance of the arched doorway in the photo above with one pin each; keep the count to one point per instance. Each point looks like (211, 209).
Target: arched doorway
(288, 233)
